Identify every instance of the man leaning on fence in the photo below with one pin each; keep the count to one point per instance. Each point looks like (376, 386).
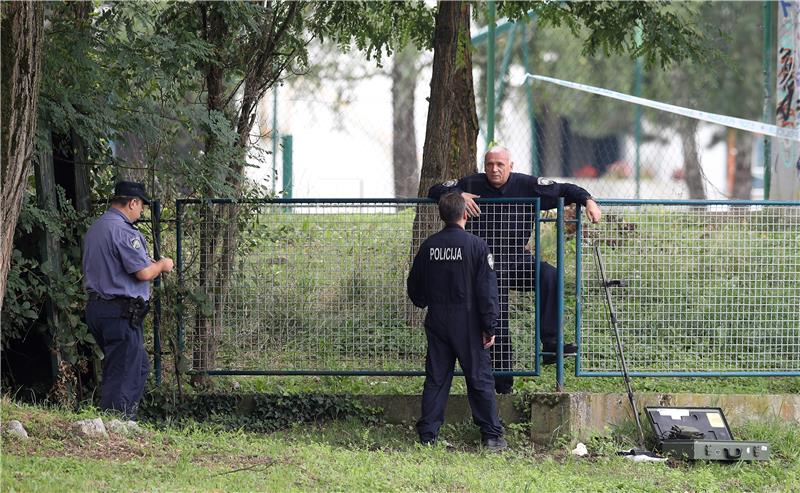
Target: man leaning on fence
(453, 276)
(117, 273)
(507, 229)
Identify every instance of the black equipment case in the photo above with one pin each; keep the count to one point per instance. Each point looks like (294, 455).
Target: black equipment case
(701, 433)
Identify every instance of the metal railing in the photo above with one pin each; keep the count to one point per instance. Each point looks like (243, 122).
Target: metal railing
(707, 288)
(304, 286)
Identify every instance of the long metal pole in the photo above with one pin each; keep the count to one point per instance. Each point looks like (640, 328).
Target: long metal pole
(156, 219)
(287, 165)
(274, 139)
(531, 106)
(560, 291)
(490, 74)
(766, 114)
(613, 316)
(501, 85)
(637, 91)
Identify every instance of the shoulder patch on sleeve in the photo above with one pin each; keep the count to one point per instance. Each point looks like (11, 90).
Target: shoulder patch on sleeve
(490, 259)
(135, 243)
(544, 182)
(450, 183)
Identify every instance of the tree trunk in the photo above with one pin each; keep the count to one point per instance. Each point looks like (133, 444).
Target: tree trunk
(21, 41)
(742, 173)
(451, 132)
(693, 175)
(553, 141)
(452, 128)
(204, 351)
(50, 254)
(404, 136)
(269, 57)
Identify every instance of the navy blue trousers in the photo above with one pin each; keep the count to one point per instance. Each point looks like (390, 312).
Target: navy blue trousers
(125, 362)
(443, 351)
(519, 276)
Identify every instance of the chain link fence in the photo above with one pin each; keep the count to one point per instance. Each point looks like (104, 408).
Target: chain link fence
(707, 288)
(320, 287)
(358, 128)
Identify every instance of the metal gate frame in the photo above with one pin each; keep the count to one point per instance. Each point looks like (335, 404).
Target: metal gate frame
(181, 203)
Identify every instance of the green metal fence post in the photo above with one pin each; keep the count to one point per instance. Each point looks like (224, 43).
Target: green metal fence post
(287, 144)
(155, 209)
(490, 74)
(637, 130)
(274, 138)
(498, 100)
(560, 291)
(766, 115)
(578, 280)
(537, 257)
(529, 98)
(179, 265)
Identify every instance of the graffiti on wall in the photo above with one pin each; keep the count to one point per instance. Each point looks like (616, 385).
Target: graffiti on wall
(786, 153)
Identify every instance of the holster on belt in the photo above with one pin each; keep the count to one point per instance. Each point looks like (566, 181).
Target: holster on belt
(136, 310)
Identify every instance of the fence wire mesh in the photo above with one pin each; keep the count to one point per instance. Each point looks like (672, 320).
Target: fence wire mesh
(318, 286)
(708, 289)
(618, 149)
(612, 148)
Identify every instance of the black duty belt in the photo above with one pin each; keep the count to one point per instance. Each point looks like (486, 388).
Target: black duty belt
(134, 309)
(97, 297)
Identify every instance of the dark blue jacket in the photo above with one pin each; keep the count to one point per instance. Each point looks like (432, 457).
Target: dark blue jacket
(508, 227)
(453, 276)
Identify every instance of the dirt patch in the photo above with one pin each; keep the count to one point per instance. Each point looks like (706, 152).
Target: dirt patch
(54, 438)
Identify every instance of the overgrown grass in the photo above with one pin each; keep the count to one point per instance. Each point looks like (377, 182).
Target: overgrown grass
(708, 291)
(543, 383)
(351, 456)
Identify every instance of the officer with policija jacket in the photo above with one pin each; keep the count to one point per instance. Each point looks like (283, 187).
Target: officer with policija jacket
(452, 275)
(507, 229)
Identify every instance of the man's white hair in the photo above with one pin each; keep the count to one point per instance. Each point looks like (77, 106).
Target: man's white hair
(499, 148)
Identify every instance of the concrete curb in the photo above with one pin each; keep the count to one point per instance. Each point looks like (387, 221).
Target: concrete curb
(580, 414)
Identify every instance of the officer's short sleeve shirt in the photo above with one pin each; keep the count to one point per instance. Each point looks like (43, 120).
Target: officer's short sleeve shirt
(114, 251)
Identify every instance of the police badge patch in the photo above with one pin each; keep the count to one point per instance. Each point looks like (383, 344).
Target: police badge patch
(135, 243)
(450, 183)
(544, 181)
(490, 259)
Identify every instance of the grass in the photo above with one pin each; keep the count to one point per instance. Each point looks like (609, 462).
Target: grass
(543, 383)
(349, 456)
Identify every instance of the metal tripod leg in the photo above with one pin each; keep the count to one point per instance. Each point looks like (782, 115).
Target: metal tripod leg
(613, 316)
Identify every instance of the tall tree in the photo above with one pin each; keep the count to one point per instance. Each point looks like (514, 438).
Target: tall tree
(22, 33)
(451, 132)
(610, 28)
(404, 134)
(252, 47)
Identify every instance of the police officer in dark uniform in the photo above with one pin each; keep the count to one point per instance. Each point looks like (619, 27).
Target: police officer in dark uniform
(117, 273)
(507, 229)
(453, 276)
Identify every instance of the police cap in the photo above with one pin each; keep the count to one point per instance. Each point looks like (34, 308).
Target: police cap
(131, 189)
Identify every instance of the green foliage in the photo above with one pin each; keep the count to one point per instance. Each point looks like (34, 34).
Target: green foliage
(253, 412)
(669, 32)
(31, 285)
(377, 28)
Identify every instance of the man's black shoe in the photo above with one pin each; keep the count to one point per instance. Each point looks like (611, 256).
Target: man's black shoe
(569, 348)
(550, 359)
(495, 444)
